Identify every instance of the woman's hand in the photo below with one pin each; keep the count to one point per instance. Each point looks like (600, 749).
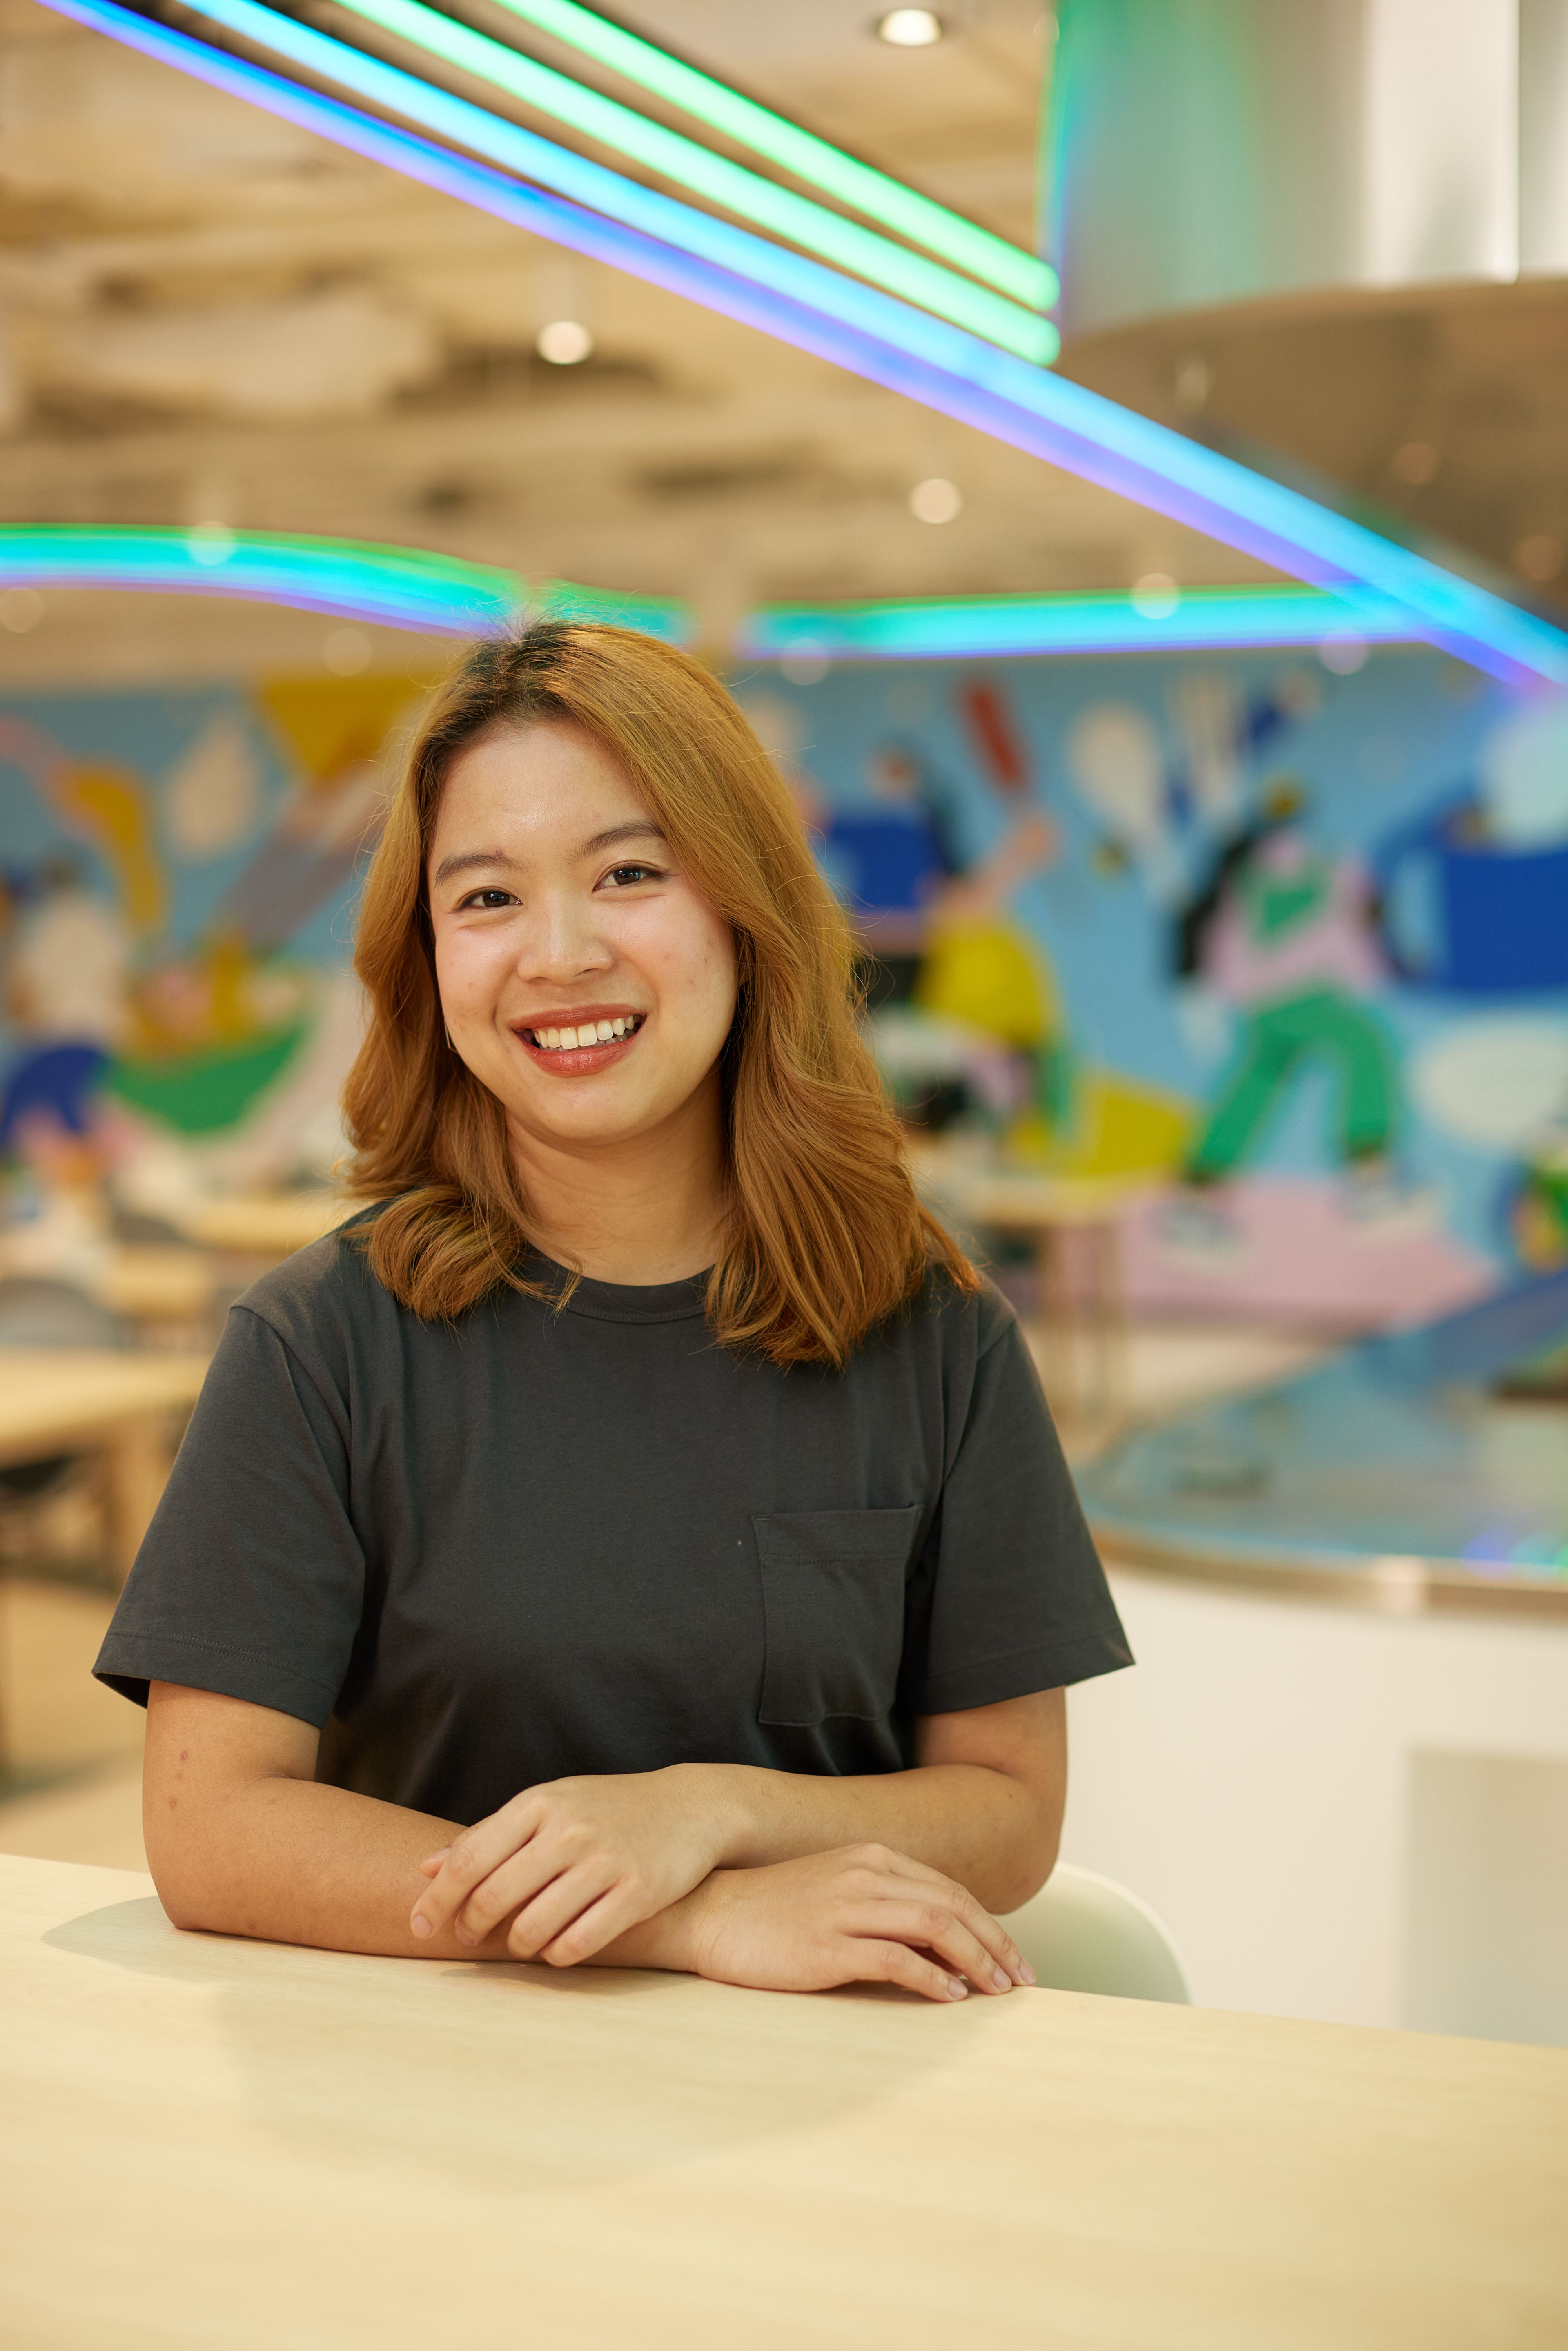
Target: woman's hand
(579, 1862)
(863, 1914)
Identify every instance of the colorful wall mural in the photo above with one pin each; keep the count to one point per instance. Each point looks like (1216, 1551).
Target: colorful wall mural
(176, 880)
(1283, 946)
(1284, 950)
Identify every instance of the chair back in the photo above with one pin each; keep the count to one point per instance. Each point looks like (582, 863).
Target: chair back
(1082, 1932)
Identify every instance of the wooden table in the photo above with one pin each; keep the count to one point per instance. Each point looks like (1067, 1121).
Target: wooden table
(267, 1224)
(1075, 1224)
(78, 1400)
(218, 2146)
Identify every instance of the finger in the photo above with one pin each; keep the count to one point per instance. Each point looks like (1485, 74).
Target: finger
(594, 1928)
(874, 1959)
(470, 1859)
(545, 1908)
(932, 1926)
(517, 1881)
(432, 1861)
(973, 1915)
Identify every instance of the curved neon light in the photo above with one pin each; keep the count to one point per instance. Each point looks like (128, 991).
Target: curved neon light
(398, 587)
(439, 595)
(586, 182)
(873, 334)
(814, 160)
(972, 628)
(716, 178)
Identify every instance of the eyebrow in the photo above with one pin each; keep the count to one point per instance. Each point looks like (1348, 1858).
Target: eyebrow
(470, 860)
(641, 829)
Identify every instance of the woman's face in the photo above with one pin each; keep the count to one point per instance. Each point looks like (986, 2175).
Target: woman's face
(583, 979)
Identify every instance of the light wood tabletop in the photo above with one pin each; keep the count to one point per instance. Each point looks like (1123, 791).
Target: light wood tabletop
(269, 1224)
(82, 1400)
(210, 2144)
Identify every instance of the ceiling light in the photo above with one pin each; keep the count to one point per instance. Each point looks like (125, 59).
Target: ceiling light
(745, 277)
(1342, 651)
(936, 501)
(21, 609)
(1155, 596)
(806, 157)
(716, 178)
(909, 28)
(563, 342)
(1416, 461)
(347, 653)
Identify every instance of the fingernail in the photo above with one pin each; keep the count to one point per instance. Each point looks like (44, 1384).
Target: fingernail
(957, 1988)
(464, 1934)
(1002, 1979)
(1027, 1972)
(421, 1924)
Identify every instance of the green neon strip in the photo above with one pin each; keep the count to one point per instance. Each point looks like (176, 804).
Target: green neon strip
(839, 241)
(815, 161)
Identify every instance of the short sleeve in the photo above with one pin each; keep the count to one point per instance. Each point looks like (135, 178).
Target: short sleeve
(1009, 1595)
(250, 1580)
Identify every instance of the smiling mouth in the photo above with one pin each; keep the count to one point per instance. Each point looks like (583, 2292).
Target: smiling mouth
(587, 1033)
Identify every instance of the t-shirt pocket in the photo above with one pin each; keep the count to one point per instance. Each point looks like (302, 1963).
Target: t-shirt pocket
(833, 1593)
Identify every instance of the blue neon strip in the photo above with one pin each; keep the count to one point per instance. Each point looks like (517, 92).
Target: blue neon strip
(399, 587)
(941, 366)
(983, 627)
(541, 160)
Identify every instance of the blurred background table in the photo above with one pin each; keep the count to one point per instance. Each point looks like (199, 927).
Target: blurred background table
(211, 2140)
(267, 1224)
(1074, 1227)
(127, 1408)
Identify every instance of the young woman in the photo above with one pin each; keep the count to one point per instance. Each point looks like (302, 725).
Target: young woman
(639, 1537)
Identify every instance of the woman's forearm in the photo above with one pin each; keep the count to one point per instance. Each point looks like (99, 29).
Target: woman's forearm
(290, 1861)
(993, 1832)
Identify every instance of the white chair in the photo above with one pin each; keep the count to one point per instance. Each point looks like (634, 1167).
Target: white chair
(1082, 1932)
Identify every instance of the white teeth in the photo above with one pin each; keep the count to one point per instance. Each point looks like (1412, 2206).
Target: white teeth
(591, 1032)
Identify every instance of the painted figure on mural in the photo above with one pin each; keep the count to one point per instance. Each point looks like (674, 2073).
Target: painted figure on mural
(1285, 934)
(970, 1019)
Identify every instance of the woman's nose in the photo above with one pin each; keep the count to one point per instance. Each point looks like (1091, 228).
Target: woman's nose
(563, 942)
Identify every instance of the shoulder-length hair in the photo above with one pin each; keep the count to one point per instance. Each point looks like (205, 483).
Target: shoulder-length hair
(824, 1237)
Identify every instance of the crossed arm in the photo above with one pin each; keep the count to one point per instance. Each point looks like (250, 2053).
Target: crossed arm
(753, 1877)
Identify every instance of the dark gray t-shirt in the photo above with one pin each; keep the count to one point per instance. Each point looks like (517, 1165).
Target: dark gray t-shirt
(548, 1540)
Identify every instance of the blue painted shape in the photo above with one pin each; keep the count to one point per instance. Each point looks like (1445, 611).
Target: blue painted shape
(59, 1080)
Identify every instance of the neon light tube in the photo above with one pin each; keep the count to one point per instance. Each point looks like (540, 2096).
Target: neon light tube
(815, 161)
(439, 595)
(716, 178)
(574, 176)
(924, 358)
(398, 587)
(973, 628)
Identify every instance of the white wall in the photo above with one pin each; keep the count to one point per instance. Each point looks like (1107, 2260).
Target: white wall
(1256, 1779)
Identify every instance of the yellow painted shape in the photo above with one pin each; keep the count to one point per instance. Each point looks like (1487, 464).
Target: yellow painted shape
(330, 724)
(1119, 1127)
(993, 979)
(109, 807)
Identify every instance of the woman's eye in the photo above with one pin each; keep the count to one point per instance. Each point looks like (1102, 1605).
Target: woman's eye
(623, 877)
(487, 901)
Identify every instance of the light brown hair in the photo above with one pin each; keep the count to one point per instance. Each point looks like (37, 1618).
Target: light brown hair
(825, 1238)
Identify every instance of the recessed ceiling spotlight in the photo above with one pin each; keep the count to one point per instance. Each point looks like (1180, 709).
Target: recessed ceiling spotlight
(910, 28)
(563, 342)
(21, 609)
(1416, 461)
(1155, 596)
(936, 501)
(347, 653)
